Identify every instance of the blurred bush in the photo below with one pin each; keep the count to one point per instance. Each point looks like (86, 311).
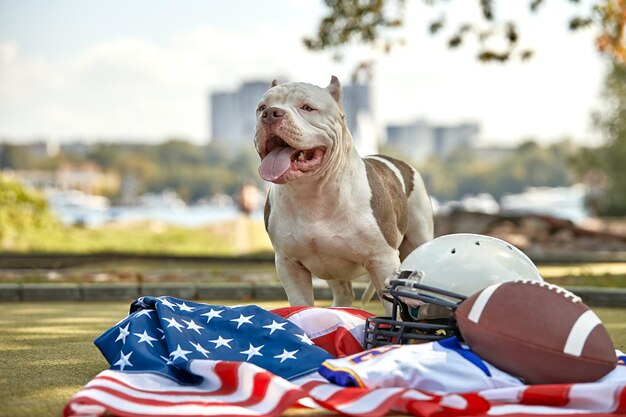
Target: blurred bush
(21, 210)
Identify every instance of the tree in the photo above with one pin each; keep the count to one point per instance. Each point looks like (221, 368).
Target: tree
(372, 22)
(15, 157)
(465, 172)
(612, 157)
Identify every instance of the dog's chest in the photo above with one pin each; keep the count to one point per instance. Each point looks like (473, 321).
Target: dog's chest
(331, 248)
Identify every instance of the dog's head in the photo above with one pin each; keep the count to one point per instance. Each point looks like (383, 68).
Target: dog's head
(299, 128)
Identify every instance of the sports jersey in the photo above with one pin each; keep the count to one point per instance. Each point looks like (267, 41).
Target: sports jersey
(444, 366)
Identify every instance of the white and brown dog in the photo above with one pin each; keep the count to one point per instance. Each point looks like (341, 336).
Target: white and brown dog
(330, 213)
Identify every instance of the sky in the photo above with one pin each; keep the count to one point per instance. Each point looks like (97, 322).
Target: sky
(143, 70)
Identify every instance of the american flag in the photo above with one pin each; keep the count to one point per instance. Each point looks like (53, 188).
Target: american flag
(172, 357)
(163, 335)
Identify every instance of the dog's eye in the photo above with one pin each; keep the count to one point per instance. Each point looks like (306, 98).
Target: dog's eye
(261, 107)
(306, 107)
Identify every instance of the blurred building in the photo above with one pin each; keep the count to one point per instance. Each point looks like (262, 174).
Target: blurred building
(415, 140)
(233, 115)
(421, 140)
(358, 104)
(76, 147)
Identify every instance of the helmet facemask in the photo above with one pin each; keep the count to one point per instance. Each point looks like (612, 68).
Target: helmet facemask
(420, 313)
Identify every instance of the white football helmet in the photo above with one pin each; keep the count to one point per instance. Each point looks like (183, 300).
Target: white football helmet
(436, 277)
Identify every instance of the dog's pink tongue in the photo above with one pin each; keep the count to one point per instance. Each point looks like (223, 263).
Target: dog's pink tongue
(276, 163)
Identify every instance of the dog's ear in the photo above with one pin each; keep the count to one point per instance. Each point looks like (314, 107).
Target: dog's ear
(274, 83)
(334, 88)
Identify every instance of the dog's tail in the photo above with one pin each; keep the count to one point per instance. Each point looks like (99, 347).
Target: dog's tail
(368, 294)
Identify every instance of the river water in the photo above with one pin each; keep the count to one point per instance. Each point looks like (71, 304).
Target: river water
(190, 216)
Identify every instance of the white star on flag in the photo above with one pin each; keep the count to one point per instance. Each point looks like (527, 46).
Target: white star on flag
(173, 323)
(185, 307)
(252, 351)
(191, 325)
(123, 362)
(242, 319)
(167, 302)
(220, 341)
(143, 313)
(286, 355)
(123, 333)
(180, 353)
(145, 337)
(200, 349)
(305, 339)
(275, 326)
(213, 313)
(167, 361)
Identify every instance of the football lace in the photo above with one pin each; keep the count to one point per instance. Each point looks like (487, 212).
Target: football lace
(559, 290)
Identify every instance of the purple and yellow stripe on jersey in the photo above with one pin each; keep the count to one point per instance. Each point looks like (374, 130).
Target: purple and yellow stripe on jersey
(347, 377)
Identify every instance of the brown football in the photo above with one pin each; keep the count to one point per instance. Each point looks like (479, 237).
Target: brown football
(538, 332)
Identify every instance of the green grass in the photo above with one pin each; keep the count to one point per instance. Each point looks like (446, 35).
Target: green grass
(235, 237)
(594, 274)
(48, 352)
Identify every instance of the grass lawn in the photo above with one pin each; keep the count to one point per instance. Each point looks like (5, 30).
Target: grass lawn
(48, 352)
(239, 236)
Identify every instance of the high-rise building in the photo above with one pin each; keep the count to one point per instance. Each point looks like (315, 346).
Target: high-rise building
(420, 140)
(452, 137)
(357, 103)
(233, 114)
(416, 140)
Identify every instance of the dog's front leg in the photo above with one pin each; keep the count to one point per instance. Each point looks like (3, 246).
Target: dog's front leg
(296, 280)
(380, 270)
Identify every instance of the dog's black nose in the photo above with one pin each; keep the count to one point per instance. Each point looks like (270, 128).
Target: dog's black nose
(272, 114)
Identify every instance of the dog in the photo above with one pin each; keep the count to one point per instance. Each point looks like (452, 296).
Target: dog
(330, 213)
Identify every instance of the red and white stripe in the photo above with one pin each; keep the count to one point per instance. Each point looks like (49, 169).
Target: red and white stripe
(338, 330)
(242, 389)
(589, 398)
(237, 389)
(229, 389)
